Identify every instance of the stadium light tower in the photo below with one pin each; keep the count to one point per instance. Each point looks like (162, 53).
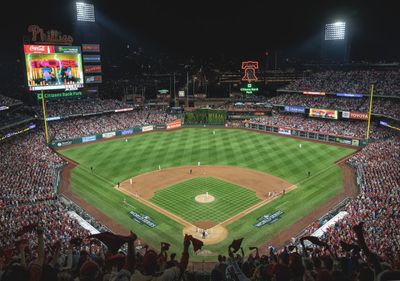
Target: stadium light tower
(335, 31)
(85, 12)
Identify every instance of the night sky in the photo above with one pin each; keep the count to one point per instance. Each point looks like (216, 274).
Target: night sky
(215, 28)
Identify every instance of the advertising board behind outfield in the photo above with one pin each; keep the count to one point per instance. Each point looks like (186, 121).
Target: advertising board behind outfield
(147, 128)
(174, 124)
(109, 135)
(89, 138)
(323, 113)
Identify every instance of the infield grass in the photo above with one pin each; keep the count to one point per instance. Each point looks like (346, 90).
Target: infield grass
(116, 160)
(229, 200)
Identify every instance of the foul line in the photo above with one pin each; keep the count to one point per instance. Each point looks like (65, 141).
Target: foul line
(268, 200)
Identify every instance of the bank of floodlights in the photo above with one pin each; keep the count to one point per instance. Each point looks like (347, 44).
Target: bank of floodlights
(85, 12)
(335, 31)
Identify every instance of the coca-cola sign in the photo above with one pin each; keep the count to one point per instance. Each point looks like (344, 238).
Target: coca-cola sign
(38, 49)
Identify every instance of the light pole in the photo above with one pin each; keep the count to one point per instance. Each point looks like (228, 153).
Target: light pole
(370, 110)
(174, 92)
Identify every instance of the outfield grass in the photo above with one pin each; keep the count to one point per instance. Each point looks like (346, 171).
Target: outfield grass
(229, 200)
(117, 160)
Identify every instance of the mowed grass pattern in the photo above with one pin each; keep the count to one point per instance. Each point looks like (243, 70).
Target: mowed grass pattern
(229, 200)
(116, 160)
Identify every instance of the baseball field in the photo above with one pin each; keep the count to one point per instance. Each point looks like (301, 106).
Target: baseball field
(221, 180)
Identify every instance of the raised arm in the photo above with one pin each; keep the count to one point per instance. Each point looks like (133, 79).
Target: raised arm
(130, 258)
(185, 254)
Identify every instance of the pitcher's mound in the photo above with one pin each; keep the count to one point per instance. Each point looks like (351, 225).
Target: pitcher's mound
(204, 198)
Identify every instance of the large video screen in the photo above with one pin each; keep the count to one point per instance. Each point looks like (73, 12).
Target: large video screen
(323, 113)
(53, 67)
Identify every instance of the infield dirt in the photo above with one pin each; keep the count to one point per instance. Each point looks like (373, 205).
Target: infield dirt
(266, 186)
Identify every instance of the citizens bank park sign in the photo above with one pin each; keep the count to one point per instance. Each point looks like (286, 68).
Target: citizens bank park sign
(40, 36)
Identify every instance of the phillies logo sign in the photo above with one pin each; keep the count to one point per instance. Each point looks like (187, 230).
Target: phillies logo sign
(250, 68)
(49, 36)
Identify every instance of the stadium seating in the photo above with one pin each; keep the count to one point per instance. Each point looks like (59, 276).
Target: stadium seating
(29, 172)
(353, 81)
(377, 205)
(78, 107)
(333, 127)
(7, 101)
(383, 106)
(84, 126)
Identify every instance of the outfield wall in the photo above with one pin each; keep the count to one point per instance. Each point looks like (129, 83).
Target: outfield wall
(111, 134)
(308, 135)
(177, 124)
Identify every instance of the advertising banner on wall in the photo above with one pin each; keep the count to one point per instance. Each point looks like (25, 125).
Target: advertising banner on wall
(284, 131)
(345, 114)
(359, 115)
(109, 135)
(92, 68)
(323, 113)
(93, 79)
(174, 124)
(349, 95)
(89, 138)
(147, 128)
(314, 93)
(91, 48)
(295, 109)
(64, 143)
(344, 141)
(124, 109)
(127, 132)
(160, 127)
(91, 58)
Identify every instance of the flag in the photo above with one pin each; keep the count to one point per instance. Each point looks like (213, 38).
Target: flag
(111, 240)
(348, 247)
(315, 240)
(165, 246)
(197, 244)
(236, 244)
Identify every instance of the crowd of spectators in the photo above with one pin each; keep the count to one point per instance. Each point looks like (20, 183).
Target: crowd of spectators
(84, 126)
(383, 106)
(321, 261)
(49, 251)
(387, 82)
(67, 108)
(29, 171)
(13, 117)
(347, 128)
(377, 204)
(87, 259)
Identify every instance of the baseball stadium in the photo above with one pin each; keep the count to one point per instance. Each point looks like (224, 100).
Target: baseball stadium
(121, 160)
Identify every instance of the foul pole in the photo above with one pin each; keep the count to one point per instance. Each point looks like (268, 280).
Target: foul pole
(46, 132)
(370, 110)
